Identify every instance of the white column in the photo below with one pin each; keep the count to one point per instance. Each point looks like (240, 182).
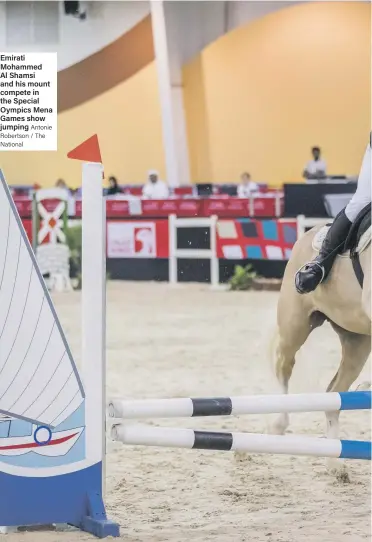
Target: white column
(171, 98)
(94, 310)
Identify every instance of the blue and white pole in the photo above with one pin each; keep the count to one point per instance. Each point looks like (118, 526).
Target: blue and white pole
(244, 442)
(232, 406)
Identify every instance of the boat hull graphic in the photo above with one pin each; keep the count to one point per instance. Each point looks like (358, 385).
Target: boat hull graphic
(60, 443)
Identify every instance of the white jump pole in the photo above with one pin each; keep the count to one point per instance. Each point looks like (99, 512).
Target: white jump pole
(172, 236)
(94, 338)
(215, 272)
(233, 406)
(94, 311)
(245, 442)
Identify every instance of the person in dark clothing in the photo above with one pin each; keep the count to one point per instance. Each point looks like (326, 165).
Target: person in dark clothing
(114, 188)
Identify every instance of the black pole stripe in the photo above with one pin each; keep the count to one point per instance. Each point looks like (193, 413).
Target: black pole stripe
(213, 406)
(207, 440)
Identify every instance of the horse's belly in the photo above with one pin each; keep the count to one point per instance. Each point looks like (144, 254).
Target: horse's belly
(340, 299)
(354, 321)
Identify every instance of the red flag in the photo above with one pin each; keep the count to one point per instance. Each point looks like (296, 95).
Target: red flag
(88, 151)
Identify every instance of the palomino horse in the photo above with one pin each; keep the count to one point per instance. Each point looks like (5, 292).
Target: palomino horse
(342, 302)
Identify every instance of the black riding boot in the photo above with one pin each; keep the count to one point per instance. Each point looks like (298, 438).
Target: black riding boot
(316, 271)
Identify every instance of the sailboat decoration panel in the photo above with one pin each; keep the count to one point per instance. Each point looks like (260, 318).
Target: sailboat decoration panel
(41, 394)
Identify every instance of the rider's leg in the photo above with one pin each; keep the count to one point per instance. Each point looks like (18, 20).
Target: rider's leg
(313, 273)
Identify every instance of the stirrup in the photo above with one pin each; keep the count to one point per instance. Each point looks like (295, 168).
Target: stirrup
(313, 263)
(313, 275)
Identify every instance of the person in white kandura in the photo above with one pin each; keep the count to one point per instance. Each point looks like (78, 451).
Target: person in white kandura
(155, 188)
(316, 271)
(315, 169)
(246, 187)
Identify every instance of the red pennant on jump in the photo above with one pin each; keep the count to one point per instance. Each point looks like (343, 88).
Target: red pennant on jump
(88, 151)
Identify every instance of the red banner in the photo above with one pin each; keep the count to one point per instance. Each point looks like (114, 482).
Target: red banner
(235, 207)
(224, 207)
(137, 239)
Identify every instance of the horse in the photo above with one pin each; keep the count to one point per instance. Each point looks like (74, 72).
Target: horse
(344, 300)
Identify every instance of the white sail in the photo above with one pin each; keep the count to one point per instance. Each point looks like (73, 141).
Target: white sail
(38, 377)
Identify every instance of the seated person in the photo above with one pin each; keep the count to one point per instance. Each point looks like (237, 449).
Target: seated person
(315, 169)
(114, 187)
(155, 188)
(247, 187)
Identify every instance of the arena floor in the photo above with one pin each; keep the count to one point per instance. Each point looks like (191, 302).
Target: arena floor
(192, 341)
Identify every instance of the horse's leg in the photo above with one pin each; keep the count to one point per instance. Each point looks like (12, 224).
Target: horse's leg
(293, 330)
(291, 336)
(295, 319)
(355, 351)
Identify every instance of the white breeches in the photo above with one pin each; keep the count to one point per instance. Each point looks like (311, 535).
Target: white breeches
(362, 195)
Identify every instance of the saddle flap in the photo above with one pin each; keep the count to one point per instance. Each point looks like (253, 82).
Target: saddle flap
(360, 225)
(363, 243)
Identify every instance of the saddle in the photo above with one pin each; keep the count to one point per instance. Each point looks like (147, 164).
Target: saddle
(358, 239)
